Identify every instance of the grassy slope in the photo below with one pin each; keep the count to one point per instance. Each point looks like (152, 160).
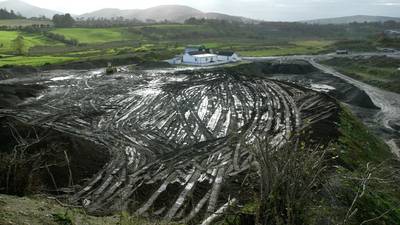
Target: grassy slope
(357, 147)
(96, 35)
(37, 210)
(7, 37)
(381, 72)
(293, 48)
(34, 61)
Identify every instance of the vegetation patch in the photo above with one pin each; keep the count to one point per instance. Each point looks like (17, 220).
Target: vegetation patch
(292, 48)
(29, 40)
(95, 35)
(34, 60)
(379, 71)
(39, 210)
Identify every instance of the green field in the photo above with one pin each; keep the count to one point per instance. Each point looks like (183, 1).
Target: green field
(96, 35)
(292, 48)
(31, 40)
(34, 61)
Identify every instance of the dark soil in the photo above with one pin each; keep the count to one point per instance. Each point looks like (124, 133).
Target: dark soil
(11, 95)
(35, 159)
(344, 91)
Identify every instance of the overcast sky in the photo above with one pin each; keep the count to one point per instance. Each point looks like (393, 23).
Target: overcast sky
(288, 10)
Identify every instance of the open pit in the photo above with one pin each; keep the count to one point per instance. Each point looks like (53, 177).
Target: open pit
(178, 143)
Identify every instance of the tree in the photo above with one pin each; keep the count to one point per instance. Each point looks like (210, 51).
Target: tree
(4, 14)
(19, 45)
(63, 20)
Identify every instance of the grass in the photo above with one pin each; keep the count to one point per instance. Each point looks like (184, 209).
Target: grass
(34, 60)
(96, 35)
(357, 145)
(292, 48)
(24, 23)
(30, 40)
(38, 210)
(381, 72)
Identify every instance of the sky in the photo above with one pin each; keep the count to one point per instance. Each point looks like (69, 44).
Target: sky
(271, 10)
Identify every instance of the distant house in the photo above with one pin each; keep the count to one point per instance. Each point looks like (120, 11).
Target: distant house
(228, 56)
(392, 33)
(202, 56)
(342, 52)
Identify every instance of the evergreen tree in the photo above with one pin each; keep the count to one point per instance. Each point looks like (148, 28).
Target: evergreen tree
(19, 45)
(63, 20)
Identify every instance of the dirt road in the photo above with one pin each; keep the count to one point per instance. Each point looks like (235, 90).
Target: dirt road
(388, 102)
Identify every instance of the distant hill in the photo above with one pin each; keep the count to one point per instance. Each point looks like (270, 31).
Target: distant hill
(174, 13)
(352, 19)
(26, 9)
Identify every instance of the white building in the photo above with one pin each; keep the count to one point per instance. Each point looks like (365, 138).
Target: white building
(199, 57)
(228, 56)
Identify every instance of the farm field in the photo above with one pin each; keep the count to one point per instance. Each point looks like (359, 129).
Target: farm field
(30, 40)
(96, 35)
(33, 61)
(291, 48)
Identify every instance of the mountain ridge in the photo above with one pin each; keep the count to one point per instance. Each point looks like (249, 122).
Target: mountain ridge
(26, 9)
(352, 19)
(174, 13)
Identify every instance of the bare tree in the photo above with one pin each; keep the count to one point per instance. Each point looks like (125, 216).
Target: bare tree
(288, 176)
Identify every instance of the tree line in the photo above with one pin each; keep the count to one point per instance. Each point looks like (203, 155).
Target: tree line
(6, 15)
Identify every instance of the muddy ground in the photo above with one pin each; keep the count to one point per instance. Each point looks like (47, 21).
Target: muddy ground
(179, 143)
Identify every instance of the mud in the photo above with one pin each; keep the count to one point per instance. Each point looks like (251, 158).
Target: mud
(179, 143)
(11, 95)
(335, 87)
(37, 159)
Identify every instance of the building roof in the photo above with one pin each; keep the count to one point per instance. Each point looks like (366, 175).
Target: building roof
(226, 53)
(205, 55)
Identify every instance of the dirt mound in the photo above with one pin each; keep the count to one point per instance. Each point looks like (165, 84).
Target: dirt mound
(11, 71)
(179, 142)
(275, 67)
(10, 95)
(292, 67)
(354, 96)
(36, 159)
(335, 87)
